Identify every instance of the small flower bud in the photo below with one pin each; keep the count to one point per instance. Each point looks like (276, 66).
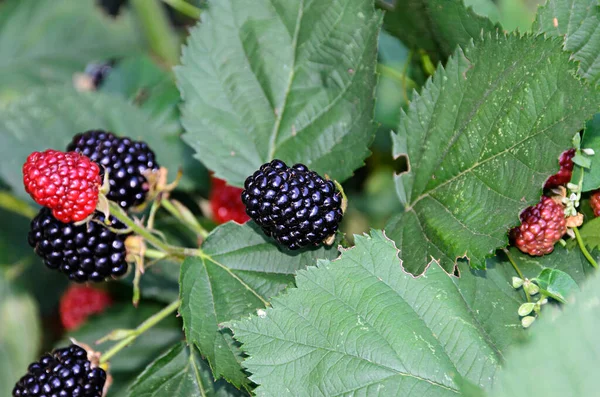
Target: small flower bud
(573, 187)
(531, 288)
(588, 151)
(526, 308)
(527, 321)
(517, 282)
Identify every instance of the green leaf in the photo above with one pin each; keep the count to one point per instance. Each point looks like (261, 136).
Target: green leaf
(127, 365)
(46, 41)
(48, 118)
(360, 325)
(591, 140)
(180, 372)
(481, 140)
(577, 21)
(287, 79)
(240, 270)
(145, 84)
(20, 334)
(590, 233)
(556, 284)
(436, 26)
(561, 358)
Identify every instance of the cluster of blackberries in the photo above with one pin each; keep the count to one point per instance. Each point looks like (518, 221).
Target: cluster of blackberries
(294, 205)
(65, 372)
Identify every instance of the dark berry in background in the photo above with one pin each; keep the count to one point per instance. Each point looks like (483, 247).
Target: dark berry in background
(98, 72)
(125, 159)
(294, 205)
(88, 252)
(65, 372)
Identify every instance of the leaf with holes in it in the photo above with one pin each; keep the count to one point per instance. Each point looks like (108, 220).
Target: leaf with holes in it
(360, 325)
(287, 79)
(480, 140)
(180, 372)
(237, 274)
(437, 26)
(579, 22)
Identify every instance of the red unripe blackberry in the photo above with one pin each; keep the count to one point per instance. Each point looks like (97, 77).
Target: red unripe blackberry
(125, 160)
(226, 203)
(79, 302)
(595, 202)
(294, 205)
(566, 170)
(65, 372)
(87, 252)
(541, 227)
(67, 183)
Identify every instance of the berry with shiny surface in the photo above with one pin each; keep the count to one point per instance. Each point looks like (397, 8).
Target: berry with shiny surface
(67, 183)
(87, 252)
(541, 227)
(595, 202)
(125, 160)
(65, 372)
(294, 205)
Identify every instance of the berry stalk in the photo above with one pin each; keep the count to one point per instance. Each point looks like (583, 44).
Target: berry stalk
(583, 249)
(143, 327)
(184, 8)
(519, 272)
(189, 221)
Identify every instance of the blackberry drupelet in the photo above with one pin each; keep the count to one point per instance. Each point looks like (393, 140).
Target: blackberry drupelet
(65, 372)
(293, 205)
(125, 159)
(88, 252)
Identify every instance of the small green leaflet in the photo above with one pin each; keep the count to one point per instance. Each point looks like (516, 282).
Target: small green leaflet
(556, 284)
(590, 233)
(578, 22)
(180, 372)
(360, 325)
(238, 273)
(481, 139)
(287, 79)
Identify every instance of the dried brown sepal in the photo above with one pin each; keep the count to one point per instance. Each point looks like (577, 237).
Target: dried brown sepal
(574, 221)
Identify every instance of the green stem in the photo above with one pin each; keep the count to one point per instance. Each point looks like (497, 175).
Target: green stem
(118, 213)
(154, 254)
(143, 327)
(189, 221)
(514, 265)
(583, 249)
(184, 8)
(11, 203)
(157, 29)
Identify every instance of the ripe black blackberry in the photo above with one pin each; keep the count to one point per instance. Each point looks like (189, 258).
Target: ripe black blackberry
(88, 252)
(293, 205)
(125, 159)
(65, 372)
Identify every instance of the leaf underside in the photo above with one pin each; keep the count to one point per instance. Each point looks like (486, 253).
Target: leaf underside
(481, 140)
(287, 79)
